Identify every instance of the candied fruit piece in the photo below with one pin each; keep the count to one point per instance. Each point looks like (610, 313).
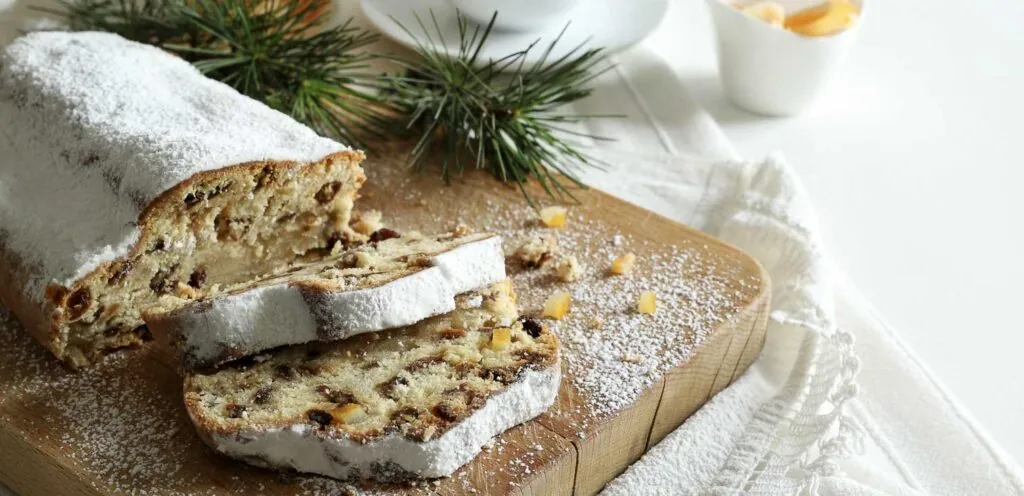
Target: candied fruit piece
(348, 413)
(557, 305)
(501, 338)
(553, 216)
(623, 264)
(647, 303)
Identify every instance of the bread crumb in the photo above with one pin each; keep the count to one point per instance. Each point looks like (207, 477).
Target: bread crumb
(595, 322)
(568, 268)
(536, 250)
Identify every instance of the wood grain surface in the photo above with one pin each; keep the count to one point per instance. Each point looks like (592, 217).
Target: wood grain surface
(120, 428)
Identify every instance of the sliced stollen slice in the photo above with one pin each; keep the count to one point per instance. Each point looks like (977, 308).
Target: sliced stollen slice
(372, 287)
(415, 402)
(129, 178)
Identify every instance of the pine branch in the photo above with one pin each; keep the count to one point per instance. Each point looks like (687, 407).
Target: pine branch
(502, 114)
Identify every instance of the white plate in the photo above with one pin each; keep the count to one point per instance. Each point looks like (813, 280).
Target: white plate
(612, 24)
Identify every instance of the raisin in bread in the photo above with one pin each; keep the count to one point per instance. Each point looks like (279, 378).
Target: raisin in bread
(128, 177)
(415, 402)
(372, 287)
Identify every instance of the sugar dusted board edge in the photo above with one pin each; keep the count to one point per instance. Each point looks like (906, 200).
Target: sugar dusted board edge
(38, 454)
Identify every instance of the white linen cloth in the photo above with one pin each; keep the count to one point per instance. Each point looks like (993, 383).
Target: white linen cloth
(779, 429)
(801, 421)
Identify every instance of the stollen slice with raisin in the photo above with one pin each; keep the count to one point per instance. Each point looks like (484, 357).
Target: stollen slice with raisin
(415, 402)
(370, 287)
(128, 178)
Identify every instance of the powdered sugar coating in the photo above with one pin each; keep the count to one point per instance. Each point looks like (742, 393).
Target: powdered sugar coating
(252, 320)
(404, 301)
(300, 448)
(94, 127)
(281, 314)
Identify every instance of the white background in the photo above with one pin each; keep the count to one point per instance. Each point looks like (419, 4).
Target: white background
(912, 160)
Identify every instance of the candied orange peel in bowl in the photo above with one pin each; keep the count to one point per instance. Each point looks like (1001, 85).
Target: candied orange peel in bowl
(828, 18)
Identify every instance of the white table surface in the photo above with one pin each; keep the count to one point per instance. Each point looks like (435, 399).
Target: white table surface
(912, 162)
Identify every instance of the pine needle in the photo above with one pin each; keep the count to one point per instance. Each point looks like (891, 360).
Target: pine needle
(502, 114)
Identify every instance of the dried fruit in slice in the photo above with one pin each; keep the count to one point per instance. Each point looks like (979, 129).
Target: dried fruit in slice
(349, 413)
(501, 338)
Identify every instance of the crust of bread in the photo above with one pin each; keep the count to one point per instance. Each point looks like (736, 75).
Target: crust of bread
(48, 323)
(36, 319)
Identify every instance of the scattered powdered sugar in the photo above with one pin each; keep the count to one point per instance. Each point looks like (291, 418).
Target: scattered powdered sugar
(106, 420)
(616, 359)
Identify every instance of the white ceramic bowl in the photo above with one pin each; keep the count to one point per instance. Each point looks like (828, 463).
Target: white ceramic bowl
(515, 15)
(771, 71)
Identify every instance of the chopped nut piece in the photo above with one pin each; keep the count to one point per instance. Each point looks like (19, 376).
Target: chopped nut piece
(537, 250)
(568, 268)
(595, 322)
(623, 264)
(553, 216)
(647, 302)
(557, 305)
(367, 222)
(501, 338)
(348, 413)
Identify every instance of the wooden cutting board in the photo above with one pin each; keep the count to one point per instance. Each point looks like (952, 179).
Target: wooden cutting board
(629, 379)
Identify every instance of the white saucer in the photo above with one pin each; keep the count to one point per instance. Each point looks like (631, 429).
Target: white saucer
(612, 24)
